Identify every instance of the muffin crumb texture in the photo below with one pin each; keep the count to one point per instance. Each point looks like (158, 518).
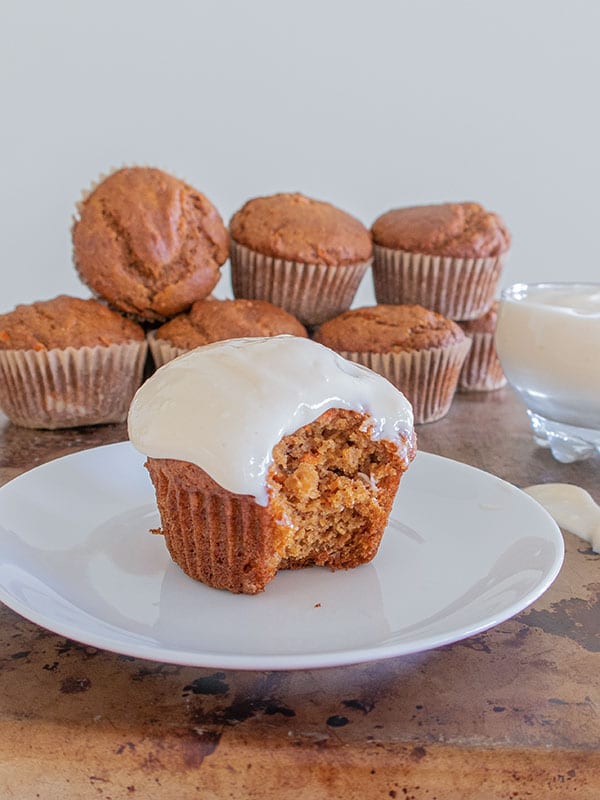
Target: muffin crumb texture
(331, 488)
(458, 230)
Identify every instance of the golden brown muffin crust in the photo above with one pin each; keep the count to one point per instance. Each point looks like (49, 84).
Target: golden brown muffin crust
(297, 228)
(384, 329)
(148, 243)
(459, 230)
(484, 324)
(214, 320)
(65, 322)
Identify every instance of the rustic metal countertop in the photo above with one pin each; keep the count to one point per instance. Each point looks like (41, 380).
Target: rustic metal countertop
(510, 713)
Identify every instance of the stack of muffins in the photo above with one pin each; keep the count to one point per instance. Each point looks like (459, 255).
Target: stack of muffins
(433, 266)
(150, 248)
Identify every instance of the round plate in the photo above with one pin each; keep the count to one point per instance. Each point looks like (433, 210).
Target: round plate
(463, 551)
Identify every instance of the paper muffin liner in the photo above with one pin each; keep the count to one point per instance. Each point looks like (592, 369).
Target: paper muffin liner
(66, 388)
(481, 371)
(458, 288)
(313, 293)
(216, 537)
(427, 378)
(162, 350)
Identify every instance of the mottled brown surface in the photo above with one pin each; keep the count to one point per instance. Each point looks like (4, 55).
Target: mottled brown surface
(460, 230)
(213, 320)
(388, 329)
(298, 228)
(510, 713)
(484, 324)
(65, 322)
(148, 243)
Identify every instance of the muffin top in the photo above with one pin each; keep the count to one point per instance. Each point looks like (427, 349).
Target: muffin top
(484, 324)
(148, 243)
(214, 320)
(297, 228)
(65, 322)
(460, 230)
(388, 329)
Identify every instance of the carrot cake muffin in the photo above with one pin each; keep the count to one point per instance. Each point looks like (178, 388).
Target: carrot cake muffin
(214, 320)
(148, 243)
(291, 459)
(68, 362)
(446, 257)
(482, 371)
(304, 255)
(419, 351)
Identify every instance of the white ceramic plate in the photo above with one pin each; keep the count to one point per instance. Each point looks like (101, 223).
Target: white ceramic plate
(463, 551)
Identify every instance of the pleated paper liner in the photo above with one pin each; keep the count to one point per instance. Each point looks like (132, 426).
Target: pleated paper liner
(66, 388)
(313, 293)
(427, 378)
(162, 350)
(481, 371)
(458, 288)
(216, 537)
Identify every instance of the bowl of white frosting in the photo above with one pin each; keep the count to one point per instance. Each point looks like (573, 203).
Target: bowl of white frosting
(548, 342)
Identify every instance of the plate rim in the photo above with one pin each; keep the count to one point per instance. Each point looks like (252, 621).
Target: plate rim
(279, 661)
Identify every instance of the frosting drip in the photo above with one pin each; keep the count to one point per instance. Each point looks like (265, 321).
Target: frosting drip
(572, 508)
(224, 406)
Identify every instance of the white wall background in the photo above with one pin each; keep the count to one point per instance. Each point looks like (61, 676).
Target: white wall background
(369, 105)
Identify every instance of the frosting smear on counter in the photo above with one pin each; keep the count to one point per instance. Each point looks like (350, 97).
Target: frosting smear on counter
(572, 509)
(224, 406)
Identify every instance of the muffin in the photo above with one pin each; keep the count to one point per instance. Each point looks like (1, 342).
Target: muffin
(445, 257)
(481, 371)
(148, 244)
(214, 320)
(301, 254)
(68, 362)
(292, 459)
(419, 351)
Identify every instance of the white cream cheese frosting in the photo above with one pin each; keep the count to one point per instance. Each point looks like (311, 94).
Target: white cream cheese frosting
(572, 508)
(224, 406)
(548, 342)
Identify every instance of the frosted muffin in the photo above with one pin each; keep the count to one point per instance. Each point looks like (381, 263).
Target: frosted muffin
(445, 257)
(419, 351)
(68, 362)
(148, 244)
(301, 254)
(214, 320)
(292, 458)
(482, 371)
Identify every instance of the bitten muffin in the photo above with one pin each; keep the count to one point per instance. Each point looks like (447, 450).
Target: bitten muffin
(445, 257)
(419, 351)
(304, 255)
(482, 371)
(148, 244)
(278, 466)
(68, 362)
(214, 320)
